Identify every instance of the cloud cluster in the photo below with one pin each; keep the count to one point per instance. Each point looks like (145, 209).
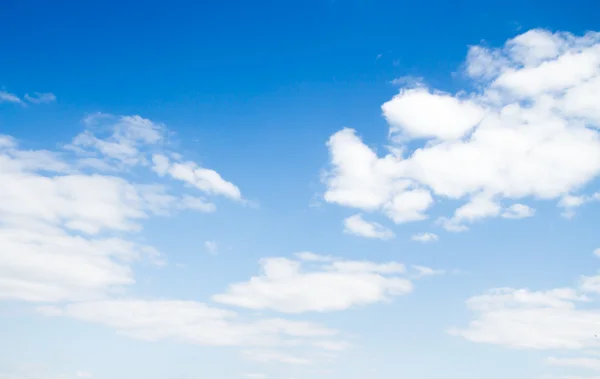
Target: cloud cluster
(64, 225)
(529, 130)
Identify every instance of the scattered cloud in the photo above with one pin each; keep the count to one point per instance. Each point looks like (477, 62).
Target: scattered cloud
(525, 135)
(7, 97)
(357, 226)
(422, 271)
(295, 286)
(517, 211)
(39, 98)
(570, 203)
(425, 237)
(121, 140)
(65, 231)
(561, 318)
(206, 180)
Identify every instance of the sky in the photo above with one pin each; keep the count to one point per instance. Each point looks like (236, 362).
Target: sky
(337, 189)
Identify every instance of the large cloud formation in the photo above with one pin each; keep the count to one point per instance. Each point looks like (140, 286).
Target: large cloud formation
(528, 130)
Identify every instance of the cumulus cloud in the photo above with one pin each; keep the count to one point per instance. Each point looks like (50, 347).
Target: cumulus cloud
(529, 130)
(410, 114)
(357, 226)
(294, 286)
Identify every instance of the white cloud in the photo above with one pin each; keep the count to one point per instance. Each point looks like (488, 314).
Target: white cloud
(7, 97)
(38, 98)
(47, 228)
(571, 202)
(64, 232)
(359, 179)
(123, 139)
(410, 114)
(206, 180)
(597, 252)
(211, 247)
(356, 225)
(517, 211)
(83, 374)
(312, 257)
(530, 130)
(425, 237)
(533, 319)
(291, 286)
(190, 322)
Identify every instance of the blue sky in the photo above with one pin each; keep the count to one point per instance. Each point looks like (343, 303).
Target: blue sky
(332, 189)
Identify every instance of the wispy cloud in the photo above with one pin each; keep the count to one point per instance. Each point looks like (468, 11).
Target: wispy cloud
(39, 97)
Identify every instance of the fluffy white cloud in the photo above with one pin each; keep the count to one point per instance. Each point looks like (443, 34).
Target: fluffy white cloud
(358, 226)
(191, 322)
(206, 180)
(294, 286)
(360, 179)
(425, 237)
(530, 130)
(410, 114)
